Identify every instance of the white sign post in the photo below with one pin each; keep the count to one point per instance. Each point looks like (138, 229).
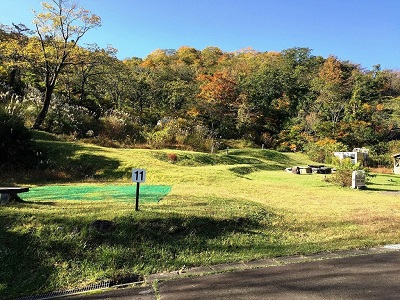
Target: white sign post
(358, 179)
(138, 176)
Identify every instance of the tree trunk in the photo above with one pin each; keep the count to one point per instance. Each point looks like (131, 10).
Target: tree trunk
(46, 104)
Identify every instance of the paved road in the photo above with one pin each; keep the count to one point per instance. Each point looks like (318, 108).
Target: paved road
(364, 275)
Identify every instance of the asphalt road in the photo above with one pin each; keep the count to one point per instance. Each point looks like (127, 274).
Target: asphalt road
(369, 275)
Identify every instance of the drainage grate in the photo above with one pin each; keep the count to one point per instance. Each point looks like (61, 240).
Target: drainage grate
(59, 294)
(395, 247)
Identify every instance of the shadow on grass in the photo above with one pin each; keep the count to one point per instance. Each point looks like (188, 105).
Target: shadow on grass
(385, 183)
(41, 254)
(196, 159)
(246, 170)
(265, 154)
(254, 159)
(67, 162)
(257, 160)
(267, 161)
(385, 190)
(18, 250)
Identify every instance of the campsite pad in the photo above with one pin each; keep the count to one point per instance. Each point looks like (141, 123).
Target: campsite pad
(148, 193)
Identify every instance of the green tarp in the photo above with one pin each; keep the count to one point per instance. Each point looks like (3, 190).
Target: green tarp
(148, 193)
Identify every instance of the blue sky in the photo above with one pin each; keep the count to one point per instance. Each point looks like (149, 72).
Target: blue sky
(365, 32)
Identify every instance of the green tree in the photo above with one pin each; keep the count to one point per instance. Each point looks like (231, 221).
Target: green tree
(262, 85)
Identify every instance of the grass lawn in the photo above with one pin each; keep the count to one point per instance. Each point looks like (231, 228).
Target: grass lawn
(221, 208)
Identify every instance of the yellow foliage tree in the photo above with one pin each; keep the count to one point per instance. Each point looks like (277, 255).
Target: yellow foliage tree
(59, 27)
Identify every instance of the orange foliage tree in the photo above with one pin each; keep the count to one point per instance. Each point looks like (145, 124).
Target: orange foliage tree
(219, 101)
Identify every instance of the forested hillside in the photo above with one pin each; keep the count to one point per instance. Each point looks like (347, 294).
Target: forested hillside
(190, 98)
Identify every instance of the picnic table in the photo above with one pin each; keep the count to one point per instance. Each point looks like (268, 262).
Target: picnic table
(319, 169)
(9, 194)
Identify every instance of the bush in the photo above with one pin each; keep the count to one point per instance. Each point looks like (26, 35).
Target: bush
(344, 170)
(17, 149)
(26, 106)
(393, 147)
(322, 150)
(381, 155)
(172, 157)
(292, 139)
(118, 127)
(69, 119)
(182, 134)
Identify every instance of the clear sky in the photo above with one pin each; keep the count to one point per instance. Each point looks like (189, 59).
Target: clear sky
(366, 32)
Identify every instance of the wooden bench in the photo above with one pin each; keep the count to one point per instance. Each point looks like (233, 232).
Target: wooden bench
(9, 194)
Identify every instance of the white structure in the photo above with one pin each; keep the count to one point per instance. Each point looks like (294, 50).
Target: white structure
(357, 155)
(396, 162)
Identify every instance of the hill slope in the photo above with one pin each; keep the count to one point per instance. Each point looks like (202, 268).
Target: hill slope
(221, 208)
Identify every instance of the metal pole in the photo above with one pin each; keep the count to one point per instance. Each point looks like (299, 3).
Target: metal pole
(137, 196)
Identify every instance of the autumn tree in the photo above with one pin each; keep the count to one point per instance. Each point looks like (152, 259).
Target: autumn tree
(218, 93)
(210, 57)
(188, 55)
(332, 86)
(59, 28)
(282, 99)
(13, 44)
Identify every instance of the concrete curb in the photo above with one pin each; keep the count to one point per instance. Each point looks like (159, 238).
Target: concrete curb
(147, 286)
(264, 263)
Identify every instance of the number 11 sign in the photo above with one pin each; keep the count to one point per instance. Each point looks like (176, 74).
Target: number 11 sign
(138, 176)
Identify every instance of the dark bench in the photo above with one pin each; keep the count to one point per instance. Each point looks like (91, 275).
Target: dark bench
(319, 169)
(9, 194)
(301, 170)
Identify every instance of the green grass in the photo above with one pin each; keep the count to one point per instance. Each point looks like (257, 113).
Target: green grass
(221, 208)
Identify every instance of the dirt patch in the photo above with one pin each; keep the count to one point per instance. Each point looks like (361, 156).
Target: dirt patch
(381, 170)
(391, 193)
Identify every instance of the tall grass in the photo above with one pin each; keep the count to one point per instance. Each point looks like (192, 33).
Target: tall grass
(222, 208)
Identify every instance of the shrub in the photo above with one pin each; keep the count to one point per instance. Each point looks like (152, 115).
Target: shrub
(172, 157)
(180, 133)
(292, 139)
(26, 106)
(393, 147)
(344, 170)
(381, 155)
(322, 150)
(199, 139)
(17, 149)
(267, 140)
(120, 127)
(69, 119)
